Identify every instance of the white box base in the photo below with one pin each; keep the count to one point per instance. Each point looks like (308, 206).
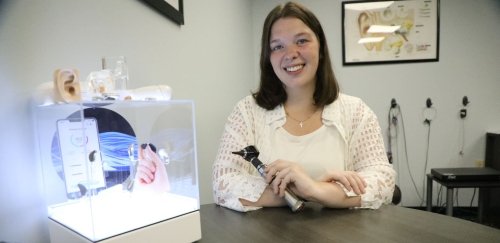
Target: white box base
(114, 212)
(185, 228)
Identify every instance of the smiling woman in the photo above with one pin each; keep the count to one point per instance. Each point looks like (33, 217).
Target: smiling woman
(172, 9)
(321, 145)
(294, 53)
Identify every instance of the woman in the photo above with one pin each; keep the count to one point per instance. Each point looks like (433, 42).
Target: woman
(324, 146)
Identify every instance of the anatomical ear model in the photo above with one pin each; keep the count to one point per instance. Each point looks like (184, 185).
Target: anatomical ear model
(67, 85)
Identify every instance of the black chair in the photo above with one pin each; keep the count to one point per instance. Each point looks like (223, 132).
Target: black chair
(396, 196)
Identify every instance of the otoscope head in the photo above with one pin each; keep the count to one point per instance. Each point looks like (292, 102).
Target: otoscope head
(248, 152)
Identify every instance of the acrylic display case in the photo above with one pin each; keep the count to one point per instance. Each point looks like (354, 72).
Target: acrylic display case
(89, 154)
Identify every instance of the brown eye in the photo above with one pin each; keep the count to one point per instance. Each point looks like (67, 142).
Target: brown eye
(276, 47)
(302, 41)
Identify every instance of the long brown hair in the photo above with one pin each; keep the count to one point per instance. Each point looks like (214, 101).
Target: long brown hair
(271, 92)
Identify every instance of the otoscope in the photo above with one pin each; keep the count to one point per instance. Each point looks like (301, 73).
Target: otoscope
(251, 154)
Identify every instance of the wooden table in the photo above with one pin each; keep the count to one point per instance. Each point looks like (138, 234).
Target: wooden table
(317, 224)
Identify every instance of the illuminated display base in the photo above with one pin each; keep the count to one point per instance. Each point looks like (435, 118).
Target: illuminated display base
(185, 228)
(120, 216)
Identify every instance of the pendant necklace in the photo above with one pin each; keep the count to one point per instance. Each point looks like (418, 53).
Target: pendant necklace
(301, 123)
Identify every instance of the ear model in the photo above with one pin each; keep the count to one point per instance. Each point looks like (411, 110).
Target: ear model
(364, 23)
(67, 85)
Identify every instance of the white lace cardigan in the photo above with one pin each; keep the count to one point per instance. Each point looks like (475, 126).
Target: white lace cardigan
(249, 124)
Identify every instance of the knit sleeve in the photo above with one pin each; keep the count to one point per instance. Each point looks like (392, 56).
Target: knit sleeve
(368, 158)
(233, 177)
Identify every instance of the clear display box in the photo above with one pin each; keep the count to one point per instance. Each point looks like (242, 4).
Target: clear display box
(91, 155)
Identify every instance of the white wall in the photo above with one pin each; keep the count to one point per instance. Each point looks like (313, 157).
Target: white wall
(208, 60)
(215, 52)
(468, 65)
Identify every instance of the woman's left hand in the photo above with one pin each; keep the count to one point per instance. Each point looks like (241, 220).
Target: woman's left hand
(351, 180)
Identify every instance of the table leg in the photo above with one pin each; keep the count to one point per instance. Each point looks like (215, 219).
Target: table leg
(480, 205)
(449, 201)
(429, 192)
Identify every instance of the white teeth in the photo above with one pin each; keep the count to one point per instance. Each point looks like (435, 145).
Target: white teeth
(294, 68)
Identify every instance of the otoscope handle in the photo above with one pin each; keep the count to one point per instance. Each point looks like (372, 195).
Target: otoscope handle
(294, 202)
(291, 199)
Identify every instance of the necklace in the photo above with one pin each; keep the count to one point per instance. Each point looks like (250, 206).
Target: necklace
(301, 123)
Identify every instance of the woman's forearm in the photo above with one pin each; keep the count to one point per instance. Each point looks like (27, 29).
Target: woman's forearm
(331, 194)
(267, 199)
(328, 194)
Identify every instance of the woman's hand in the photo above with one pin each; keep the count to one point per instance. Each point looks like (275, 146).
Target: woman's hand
(282, 174)
(151, 171)
(349, 179)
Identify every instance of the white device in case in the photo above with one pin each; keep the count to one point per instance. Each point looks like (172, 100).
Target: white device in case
(80, 155)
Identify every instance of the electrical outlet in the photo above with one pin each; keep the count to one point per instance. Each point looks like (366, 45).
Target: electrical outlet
(479, 163)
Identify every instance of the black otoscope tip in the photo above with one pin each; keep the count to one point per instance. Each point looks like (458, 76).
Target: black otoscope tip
(240, 153)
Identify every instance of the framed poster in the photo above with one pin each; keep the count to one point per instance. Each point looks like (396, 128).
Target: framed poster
(172, 9)
(378, 32)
